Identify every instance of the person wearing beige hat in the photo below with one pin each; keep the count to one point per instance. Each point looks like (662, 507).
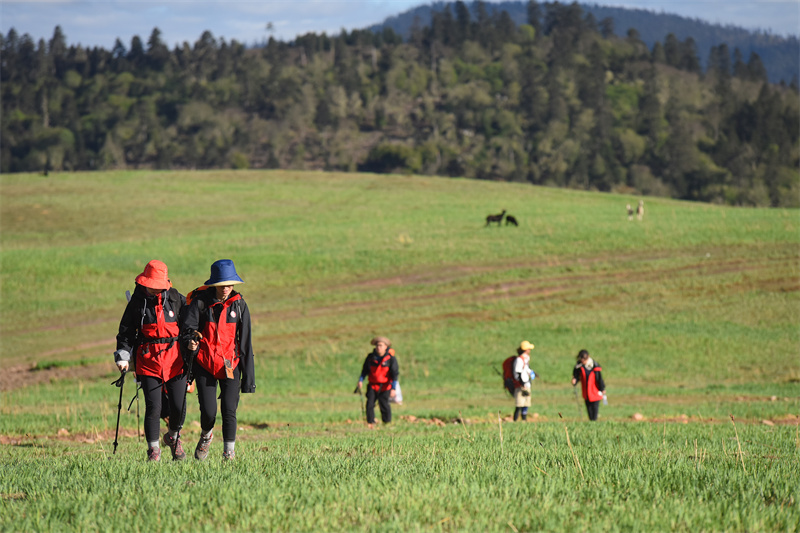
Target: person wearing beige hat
(382, 371)
(148, 339)
(523, 376)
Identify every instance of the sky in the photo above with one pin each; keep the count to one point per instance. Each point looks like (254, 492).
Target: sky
(100, 22)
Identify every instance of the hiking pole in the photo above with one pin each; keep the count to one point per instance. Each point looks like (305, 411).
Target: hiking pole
(138, 422)
(119, 383)
(577, 400)
(361, 396)
(191, 336)
(136, 397)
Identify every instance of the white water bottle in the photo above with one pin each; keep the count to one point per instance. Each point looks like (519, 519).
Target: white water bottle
(605, 399)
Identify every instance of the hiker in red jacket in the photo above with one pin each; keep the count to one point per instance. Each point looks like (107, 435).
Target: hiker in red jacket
(589, 373)
(148, 338)
(383, 371)
(224, 353)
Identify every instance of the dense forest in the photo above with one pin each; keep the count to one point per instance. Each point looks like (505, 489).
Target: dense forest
(780, 54)
(559, 101)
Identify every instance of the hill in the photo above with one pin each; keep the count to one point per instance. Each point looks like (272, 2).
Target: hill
(780, 54)
(692, 312)
(330, 259)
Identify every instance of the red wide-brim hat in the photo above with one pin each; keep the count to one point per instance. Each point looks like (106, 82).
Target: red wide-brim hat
(154, 276)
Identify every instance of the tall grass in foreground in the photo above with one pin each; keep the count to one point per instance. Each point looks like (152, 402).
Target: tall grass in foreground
(409, 477)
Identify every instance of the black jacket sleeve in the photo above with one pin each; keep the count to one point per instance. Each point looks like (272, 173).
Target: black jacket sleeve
(598, 379)
(190, 317)
(129, 325)
(246, 356)
(190, 323)
(394, 370)
(365, 367)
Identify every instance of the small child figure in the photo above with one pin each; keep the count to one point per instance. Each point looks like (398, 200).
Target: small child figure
(523, 376)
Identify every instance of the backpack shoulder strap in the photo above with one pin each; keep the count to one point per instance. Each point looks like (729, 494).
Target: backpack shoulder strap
(175, 300)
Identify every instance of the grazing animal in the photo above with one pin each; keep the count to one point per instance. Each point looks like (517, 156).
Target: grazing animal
(640, 210)
(630, 211)
(495, 218)
(511, 219)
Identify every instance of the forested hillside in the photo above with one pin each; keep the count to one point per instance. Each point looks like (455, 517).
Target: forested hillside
(780, 54)
(558, 101)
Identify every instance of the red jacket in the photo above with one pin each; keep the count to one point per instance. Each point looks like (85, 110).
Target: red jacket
(592, 384)
(225, 327)
(381, 372)
(149, 331)
(219, 338)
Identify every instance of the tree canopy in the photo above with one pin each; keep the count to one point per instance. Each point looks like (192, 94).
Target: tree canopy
(559, 101)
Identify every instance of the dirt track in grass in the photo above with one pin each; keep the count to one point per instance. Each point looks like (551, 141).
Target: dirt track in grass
(106, 437)
(567, 279)
(20, 376)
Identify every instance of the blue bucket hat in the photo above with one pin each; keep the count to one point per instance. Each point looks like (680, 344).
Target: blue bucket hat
(223, 273)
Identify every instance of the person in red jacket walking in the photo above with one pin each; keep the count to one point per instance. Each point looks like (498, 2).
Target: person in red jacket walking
(382, 371)
(148, 338)
(224, 353)
(589, 373)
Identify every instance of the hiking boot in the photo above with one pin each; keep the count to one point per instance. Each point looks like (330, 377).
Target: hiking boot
(201, 451)
(175, 446)
(228, 456)
(154, 454)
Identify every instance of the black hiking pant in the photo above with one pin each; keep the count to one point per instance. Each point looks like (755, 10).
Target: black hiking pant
(592, 408)
(228, 398)
(152, 390)
(383, 404)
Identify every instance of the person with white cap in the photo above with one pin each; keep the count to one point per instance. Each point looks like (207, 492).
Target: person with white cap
(218, 316)
(523, 375)
(382, 370)
(148, 338)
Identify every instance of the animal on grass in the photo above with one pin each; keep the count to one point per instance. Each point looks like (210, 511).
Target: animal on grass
(511, 219)
(496, 218)
(630, 211)
(640, 210)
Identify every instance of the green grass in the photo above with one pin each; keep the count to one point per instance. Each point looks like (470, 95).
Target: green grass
(692, 312)
(328, 478)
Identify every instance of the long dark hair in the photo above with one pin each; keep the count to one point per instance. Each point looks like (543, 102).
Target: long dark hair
(583, 355)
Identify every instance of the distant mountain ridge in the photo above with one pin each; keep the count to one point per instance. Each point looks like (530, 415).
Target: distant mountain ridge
(780, 55)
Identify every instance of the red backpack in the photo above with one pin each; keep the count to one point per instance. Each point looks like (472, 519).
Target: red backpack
(192, 294)
(509, 382)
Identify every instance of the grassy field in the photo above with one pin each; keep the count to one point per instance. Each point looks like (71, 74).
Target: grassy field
(693, 313)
